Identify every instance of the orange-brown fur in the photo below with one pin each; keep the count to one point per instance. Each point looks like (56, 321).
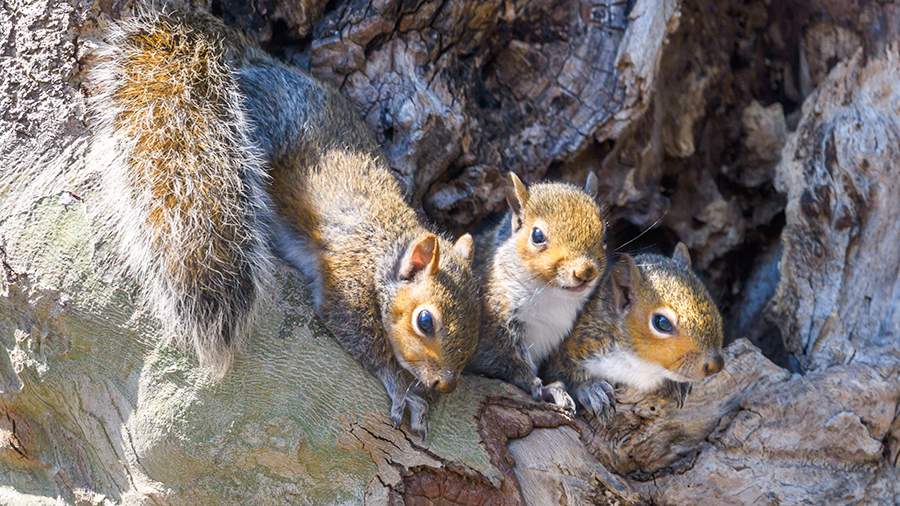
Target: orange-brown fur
(412, 347)
(670, 352)
(574, 226)
(359, 181)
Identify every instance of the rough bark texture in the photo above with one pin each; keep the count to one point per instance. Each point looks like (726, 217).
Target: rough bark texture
(764, 135)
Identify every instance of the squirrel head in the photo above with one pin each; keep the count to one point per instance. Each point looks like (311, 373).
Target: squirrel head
(667, 316)
(559, 233)
(433, 317)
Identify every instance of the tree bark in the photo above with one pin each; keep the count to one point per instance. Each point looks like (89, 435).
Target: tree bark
(764, 135)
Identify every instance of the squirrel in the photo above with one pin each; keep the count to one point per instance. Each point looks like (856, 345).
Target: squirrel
(219, 157)
(651, 326)
(538, 266)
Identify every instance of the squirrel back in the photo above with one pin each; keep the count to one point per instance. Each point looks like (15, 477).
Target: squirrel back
(184, 181)
(650, 323)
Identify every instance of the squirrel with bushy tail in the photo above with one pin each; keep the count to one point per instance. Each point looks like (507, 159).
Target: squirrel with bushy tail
(217, 157)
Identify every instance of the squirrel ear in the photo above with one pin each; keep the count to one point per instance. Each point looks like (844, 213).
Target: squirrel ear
(592, 185)
(623, 278)
(681, 255)
(517, 199)
(465, 247)
(424, 255)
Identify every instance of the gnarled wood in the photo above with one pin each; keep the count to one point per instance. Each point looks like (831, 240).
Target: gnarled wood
(690, 112)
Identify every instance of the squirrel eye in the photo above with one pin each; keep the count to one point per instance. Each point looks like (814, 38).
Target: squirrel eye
(425, 323)
(537, 236)
(662, 324)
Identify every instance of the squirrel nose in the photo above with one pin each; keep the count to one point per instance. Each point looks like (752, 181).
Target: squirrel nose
(585, 273)
(713, 365)
(446, 382)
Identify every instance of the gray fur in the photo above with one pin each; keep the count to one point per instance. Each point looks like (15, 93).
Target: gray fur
(207, 311)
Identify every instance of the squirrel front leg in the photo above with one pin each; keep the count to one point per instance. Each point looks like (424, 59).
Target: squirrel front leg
(502, 356)
(523, 375)
(597, 396)
(400, 388)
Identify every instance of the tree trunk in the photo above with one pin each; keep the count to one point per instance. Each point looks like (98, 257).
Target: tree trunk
(765, 135)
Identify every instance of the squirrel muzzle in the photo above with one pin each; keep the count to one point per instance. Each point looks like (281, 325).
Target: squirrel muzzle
(713, 364)
(446, 382)
(578, 274)
(702, 366)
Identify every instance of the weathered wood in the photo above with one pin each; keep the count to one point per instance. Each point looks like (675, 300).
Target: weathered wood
(472, 89)
(840, 269)
(671, 102)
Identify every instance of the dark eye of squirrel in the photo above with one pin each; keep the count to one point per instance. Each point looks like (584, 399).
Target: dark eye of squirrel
(662, 324)
(537, 236)
(425, 322)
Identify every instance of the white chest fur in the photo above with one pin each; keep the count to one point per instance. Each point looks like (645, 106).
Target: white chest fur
(547, 312)
(548, 315)
(626, 368)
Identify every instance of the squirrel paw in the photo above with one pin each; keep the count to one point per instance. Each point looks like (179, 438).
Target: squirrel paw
(556, 394)
(537, 389)
(597, 398)
(417, 406)
(675, 391)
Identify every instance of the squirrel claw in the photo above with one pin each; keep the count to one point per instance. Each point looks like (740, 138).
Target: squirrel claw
(397, 410)
(420, 430)
(556, 394)
(537, 389)
(676, 391)
(417, 409)
(597, 398)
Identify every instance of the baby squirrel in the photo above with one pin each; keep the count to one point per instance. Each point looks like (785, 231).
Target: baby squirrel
(651, 325)
(538, 267)
(213, 153)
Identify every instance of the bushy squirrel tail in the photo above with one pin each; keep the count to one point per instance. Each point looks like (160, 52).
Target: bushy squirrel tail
(186, 185)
